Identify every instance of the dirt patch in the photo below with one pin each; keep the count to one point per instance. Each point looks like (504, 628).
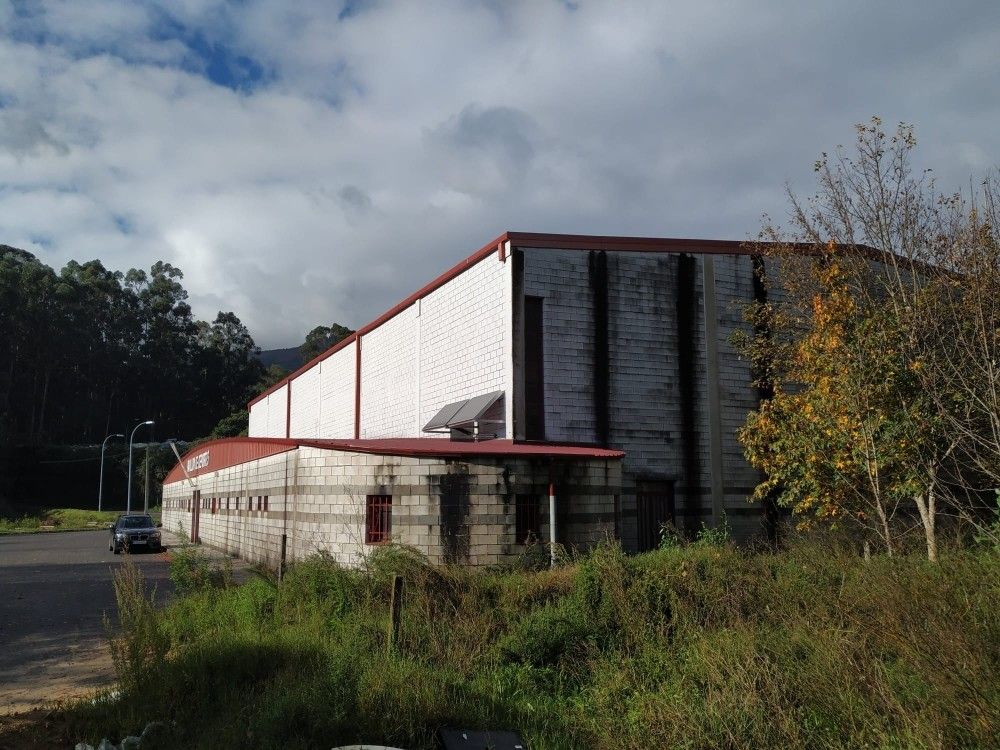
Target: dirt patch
(77, 672)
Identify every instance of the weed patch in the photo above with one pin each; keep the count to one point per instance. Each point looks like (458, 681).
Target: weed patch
(694, 645)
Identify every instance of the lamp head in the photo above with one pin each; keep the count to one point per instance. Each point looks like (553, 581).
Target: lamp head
(149, 421)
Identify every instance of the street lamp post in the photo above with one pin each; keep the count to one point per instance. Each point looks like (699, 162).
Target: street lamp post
(128, 506)
(100, 486)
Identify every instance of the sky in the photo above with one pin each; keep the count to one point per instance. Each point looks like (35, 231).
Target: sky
(305, 163)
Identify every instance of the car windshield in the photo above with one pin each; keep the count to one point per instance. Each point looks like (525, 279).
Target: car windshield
(136, 522)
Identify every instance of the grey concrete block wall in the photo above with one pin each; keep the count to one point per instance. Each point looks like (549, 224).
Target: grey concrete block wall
(645, 390)
(455, 511)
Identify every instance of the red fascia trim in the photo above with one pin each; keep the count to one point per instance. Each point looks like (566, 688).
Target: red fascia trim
(357, 389)
(483, 252)
(276, 445)
(629, 244)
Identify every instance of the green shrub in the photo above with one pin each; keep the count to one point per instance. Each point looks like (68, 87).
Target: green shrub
(192, 570)
(548, 635)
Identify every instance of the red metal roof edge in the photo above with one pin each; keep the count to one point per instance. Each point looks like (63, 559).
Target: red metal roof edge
(179, 474)
(407, 447)
(439, 447)
(628, 244)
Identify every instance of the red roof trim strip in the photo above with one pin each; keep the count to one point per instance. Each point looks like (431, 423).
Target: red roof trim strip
(235, 451)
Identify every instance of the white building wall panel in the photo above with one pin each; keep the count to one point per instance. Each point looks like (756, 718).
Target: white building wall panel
(258, 419)
(389, 371)
(277, 413)
(464, 337)
(336, 387)
(306, 409)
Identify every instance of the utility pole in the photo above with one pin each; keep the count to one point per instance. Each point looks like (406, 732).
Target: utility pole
(146, 500)
(100, 484)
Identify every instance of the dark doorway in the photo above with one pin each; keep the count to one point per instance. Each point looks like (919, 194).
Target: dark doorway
(534, 368)
(654, 502)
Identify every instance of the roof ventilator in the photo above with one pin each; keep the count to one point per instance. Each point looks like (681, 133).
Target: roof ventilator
(478, 418)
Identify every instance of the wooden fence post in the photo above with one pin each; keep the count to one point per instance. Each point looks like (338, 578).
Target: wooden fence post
(395, 609)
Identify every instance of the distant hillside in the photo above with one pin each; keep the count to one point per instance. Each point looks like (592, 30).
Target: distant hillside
(290, 359)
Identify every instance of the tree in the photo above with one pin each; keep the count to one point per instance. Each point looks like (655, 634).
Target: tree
(842, 436)
(321, 338)
(885, 321)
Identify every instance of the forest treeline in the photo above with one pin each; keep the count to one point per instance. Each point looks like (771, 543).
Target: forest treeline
(90, 351)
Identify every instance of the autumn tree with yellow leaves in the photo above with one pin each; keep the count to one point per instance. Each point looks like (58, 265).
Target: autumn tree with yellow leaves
(880, 343)
(844, 436)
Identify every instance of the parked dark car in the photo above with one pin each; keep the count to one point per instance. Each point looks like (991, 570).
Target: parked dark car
(133, 532)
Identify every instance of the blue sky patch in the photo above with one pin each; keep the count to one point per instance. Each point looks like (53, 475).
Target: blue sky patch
(219, 62)
(123, 224)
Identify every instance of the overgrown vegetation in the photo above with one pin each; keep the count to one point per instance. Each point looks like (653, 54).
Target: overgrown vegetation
(56, 519)
(691, 646)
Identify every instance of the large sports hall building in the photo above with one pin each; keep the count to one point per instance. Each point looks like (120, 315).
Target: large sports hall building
(547, 387)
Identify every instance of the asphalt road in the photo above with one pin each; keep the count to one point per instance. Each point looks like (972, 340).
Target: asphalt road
(54, 591)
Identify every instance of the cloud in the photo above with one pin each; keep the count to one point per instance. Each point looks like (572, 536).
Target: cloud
(23, 135)
(313, 162)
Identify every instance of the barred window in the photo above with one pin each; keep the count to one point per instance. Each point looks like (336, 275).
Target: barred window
(378, 519)
(528, 518)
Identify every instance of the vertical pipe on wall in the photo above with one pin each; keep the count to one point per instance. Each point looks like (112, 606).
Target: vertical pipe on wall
(552, 520)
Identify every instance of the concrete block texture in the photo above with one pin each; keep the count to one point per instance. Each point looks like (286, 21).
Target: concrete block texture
(454, 511)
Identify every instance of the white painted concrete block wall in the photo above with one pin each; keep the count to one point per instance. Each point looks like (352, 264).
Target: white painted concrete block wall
(275, 414)
(390, 362)
(306, 404)
(258, 419)
(464, 337)
(337, 373)
(451, 345)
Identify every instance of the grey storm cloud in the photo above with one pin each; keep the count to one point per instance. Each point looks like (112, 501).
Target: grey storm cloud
(24, 135)
(313, 162)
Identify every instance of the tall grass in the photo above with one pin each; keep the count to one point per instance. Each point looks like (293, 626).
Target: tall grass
(699, 646)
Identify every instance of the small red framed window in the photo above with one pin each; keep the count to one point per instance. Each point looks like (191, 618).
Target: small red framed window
(378, 519)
